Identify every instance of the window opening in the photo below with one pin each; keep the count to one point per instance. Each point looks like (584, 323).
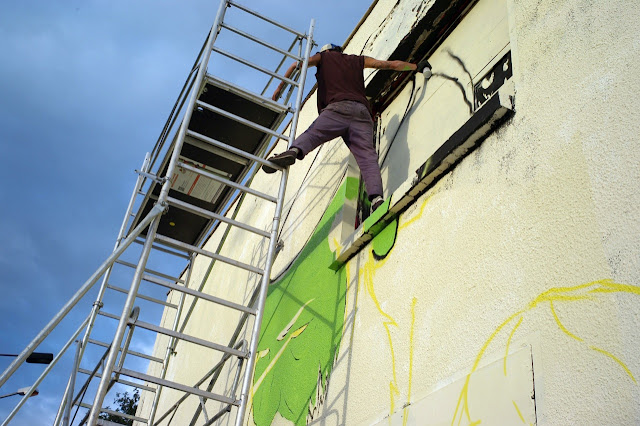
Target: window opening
(463, 52)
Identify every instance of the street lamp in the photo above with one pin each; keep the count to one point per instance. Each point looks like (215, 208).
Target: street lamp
(36, 358)
(21, 391)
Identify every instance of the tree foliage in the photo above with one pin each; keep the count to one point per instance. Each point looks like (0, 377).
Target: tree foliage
(124, 404)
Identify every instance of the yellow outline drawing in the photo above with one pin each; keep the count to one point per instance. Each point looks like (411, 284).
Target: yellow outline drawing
(586, 291)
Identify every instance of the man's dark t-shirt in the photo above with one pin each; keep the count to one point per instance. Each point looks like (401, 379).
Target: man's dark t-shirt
(340, 78)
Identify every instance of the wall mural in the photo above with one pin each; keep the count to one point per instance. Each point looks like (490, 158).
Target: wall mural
(302, 327)
(305, 318)
(305, 311)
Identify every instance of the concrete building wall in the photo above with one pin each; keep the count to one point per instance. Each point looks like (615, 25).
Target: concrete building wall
(507, 291)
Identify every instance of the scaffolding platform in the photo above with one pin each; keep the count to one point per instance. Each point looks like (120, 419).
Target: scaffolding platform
(192, 188)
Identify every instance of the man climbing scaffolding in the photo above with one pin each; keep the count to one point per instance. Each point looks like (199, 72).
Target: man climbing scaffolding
(344, 111)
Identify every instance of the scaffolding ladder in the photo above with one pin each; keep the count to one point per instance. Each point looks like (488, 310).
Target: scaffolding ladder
(225, 132)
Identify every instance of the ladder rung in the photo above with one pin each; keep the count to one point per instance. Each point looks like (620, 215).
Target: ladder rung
(190, 248)
(204, 296)
(150, 271)
(264, 18)
(178, 386)
(267, 102)
(208, 214)
(115, 413)
(217, 151)
(108, 315)
(98, 375)
(142, 296)
(130, 352)
(230, 183)
(219, 414)
(241, 120)
(257, 40)
(254, 66)
(149, 176)
(188, 338)
(232, 149)
(177, 335)
(89, 373)
(280, 64)
(164, 250)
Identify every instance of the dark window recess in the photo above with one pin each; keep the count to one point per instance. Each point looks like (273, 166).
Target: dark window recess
(493, 80)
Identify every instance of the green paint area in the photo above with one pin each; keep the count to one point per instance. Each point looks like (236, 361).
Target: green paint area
(385, 240)
(372, 223)
(302, 327)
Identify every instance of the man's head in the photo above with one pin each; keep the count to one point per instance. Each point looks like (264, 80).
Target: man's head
(331, 46)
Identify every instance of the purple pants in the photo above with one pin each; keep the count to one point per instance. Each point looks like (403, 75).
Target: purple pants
(350, 120)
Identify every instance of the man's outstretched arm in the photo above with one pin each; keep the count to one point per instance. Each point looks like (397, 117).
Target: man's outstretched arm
(313, 61)
(388, 65)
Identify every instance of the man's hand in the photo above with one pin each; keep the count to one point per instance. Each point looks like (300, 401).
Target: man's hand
(422, 65)
(287, 74)
(276, 94)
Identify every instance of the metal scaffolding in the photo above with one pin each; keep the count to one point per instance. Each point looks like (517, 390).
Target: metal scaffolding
(225, 131)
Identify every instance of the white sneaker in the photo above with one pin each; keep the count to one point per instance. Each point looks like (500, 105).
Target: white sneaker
(376, 202)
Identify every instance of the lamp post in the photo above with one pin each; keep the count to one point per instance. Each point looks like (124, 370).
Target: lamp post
(21, 391)
(36, 357)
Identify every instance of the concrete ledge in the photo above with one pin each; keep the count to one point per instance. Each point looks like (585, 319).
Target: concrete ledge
(480, 125)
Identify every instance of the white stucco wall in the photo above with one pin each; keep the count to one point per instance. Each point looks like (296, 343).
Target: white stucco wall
(529, 247)
(533, 209)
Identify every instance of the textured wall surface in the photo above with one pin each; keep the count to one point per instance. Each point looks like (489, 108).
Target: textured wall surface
(514, 282)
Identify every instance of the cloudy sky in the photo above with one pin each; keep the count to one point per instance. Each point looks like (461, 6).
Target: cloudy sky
(85, 88)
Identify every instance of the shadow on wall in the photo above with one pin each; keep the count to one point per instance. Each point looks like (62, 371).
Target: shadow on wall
(399, 141)
(331, 158)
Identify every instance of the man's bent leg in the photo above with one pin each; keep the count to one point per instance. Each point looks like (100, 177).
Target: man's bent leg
(329, 125)
(360, 142)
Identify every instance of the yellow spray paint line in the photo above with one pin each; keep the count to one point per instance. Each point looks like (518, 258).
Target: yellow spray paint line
(561, 326)
(337, 245)
(616, 359)
(595, 348)
(411, 333)
(464, 393)
(368, 274)
(506, 351)
(519, 413)
(419, 215)
(612, 287)
(556, 294)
